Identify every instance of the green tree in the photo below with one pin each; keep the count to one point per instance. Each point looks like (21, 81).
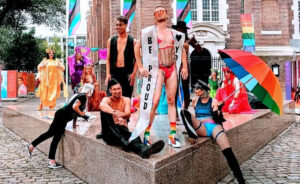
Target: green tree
(16, 13)
(23, 52)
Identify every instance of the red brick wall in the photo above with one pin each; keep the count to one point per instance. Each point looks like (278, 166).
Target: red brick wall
(234, 26)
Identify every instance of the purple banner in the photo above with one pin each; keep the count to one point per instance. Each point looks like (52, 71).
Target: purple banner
(288, 80)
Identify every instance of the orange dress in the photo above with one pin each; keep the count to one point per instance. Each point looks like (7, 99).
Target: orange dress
(50, 80)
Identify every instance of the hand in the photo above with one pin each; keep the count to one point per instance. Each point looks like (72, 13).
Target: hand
(131, 79)
(86, 118)
(220, 105)
(108, 78)
(184, 73)
(143, 72)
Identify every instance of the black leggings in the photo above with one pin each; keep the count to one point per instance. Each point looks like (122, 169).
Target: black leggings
(56, 129)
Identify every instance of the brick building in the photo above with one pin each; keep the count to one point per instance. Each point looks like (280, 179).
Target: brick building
(216, 25)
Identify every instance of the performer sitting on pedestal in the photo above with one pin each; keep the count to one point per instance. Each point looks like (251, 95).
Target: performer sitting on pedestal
(162, 51)
(238, 102)
(115, 112)
(208, 122)
(89, 77)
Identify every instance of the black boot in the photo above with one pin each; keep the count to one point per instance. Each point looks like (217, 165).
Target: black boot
(143, 150)
(233, 164)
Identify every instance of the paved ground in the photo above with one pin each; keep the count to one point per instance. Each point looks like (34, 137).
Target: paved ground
(16, 167)
(278, 162)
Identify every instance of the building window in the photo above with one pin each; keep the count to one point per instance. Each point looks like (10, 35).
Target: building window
(194, 10)
(51, 40)
(210, 10)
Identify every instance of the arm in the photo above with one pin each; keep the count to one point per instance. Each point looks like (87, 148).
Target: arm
(184, 70)
(60, 65)
(42, 64)
(126, 114)
(138, 59)
(76, 108)
(105, 107)
(194, 101)
(132, 75)
(108, 76)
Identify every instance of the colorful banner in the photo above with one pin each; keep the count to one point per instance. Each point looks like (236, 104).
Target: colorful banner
(248, 33)
(129, 10)
(74, 16)
(9, 84)
(83, 50)
(288, 80)
(102, 54)
(183, 12)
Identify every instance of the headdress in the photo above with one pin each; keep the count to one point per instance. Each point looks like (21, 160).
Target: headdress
(226, 69)
(201, 85)
(49, 50)
(77, 50)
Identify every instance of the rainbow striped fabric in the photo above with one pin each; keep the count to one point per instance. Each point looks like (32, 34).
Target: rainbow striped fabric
(74, 16)
(248, 33)
(183, 12)
(129, 10)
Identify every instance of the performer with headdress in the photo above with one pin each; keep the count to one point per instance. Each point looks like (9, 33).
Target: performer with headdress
(76, 66)
(213, 83)
(208, 121)
(236, 103)
(162, 51)
(89, 77)
(50, 76)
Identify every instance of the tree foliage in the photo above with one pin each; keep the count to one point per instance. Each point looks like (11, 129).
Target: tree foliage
(16, 13)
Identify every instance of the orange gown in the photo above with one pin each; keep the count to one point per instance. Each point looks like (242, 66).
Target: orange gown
(51, 77)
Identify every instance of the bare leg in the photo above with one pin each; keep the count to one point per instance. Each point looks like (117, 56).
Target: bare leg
(157, 93)
(171, 87)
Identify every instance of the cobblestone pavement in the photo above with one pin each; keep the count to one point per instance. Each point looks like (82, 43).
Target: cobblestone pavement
(17, 167)
(278, 162)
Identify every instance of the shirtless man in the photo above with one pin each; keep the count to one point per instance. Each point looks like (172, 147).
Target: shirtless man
(115, 112)
(167, 70)
(120, 58)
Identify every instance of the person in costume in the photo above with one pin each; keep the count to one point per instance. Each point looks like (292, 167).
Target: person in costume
(213, 83)
(181, 26)
(50, 76)
(115, 113)
(120, 62)
(162, 51)
(207, 121)
(76, 66)
(236, 103)
(62, 116)
(89, 77)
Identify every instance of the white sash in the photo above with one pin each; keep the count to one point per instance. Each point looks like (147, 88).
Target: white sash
(150, 62)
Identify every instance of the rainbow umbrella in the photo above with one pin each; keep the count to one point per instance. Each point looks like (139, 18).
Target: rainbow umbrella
(255, 74)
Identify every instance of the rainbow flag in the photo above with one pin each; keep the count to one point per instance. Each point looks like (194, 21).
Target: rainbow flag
(248, 33)
(129, 10)
(183, 12)
(74, 16)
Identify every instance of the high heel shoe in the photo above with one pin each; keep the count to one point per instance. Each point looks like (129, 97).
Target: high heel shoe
(174, 141)
(40, 107)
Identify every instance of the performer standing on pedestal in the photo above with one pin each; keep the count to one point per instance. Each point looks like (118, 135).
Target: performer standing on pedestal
(120, 58)
(50, 76)
(162, 49)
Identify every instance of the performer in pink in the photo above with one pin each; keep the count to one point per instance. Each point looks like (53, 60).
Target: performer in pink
(239, 101)
(76, 65)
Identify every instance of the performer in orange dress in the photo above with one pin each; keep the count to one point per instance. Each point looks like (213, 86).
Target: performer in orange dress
(51, 76)
(88, 76)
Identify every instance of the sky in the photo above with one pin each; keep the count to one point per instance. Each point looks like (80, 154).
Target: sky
(43, 31)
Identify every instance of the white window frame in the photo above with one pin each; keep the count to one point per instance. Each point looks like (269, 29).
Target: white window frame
(200, 11)
(296, 20)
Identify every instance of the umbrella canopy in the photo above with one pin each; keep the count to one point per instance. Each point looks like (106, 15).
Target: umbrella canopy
(255, 74)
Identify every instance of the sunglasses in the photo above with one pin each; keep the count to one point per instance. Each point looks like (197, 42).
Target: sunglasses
(159, 12)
